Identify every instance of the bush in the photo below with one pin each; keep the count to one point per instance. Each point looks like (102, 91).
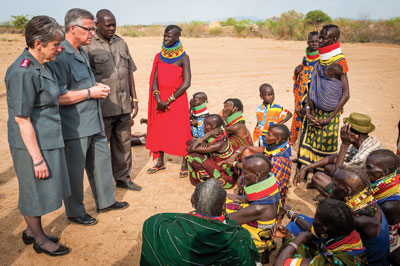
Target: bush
(316, 18)
(19, 22)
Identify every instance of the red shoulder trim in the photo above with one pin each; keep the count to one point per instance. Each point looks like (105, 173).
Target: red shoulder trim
(25, 63)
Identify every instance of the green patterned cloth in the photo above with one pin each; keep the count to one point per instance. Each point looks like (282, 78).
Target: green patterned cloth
(318, 143)
(184, 239)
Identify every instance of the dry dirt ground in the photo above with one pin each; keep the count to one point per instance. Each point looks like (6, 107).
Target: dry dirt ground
(223, 68)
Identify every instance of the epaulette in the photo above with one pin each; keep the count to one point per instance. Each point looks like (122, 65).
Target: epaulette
(25, 63)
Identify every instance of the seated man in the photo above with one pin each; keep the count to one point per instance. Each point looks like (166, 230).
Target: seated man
(207, 155)
(381, 168)
(257, 209)
(202, 237)
(351, 185)
(356, 146)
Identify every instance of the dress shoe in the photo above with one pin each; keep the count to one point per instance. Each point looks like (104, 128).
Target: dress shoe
(129, 185)
(29, 239)
(118, 205)
(85, 219)
(59, 252)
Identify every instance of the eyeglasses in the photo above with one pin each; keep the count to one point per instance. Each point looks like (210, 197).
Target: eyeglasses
(85, 28)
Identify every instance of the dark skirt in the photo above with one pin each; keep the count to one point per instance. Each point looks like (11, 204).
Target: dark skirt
(38, 197)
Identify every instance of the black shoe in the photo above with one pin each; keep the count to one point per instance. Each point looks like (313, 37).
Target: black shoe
(59, 252)
(129, 185)
(29, 239)
(118, 205)
(85, 219)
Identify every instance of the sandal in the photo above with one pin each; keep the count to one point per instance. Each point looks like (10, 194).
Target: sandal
(155, 169)
(183, 173)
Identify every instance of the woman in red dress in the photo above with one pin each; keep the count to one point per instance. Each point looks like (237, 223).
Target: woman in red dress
(168, 126)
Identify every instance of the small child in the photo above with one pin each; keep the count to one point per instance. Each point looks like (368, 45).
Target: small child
(268, 113)
(334, 71)
(326, 88)
(198, 113)
(139, 139)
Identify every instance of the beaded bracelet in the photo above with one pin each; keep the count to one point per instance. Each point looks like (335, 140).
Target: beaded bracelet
(39, 163)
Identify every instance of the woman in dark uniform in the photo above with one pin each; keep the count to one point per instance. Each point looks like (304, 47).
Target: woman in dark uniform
(34, 132)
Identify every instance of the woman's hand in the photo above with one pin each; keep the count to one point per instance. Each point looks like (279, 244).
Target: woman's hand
(41, 171)
(279, 231)
(235, 197)
(162, 106)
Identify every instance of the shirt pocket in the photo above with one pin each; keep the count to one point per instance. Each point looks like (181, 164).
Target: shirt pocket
(124, 59)
(102, 64)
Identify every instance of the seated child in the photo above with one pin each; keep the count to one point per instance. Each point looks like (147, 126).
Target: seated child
(198, 112)
(268, 113)
(207, 155)
(326, 88)
(139, 139)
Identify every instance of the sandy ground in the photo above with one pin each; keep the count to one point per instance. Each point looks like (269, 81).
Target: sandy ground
(221, 67)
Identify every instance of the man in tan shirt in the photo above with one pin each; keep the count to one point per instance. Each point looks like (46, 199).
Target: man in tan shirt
(113, 65)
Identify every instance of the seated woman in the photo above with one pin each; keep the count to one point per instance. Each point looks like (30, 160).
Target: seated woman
(203, 237)
(257, 209)
(333, 241)
(207, 155)
(278, 150)
(381, 168)
(239, 135)
(351, 185)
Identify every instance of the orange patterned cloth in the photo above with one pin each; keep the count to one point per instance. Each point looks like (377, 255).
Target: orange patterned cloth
(300, 92)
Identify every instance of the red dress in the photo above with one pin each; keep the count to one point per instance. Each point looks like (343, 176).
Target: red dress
(168, 130)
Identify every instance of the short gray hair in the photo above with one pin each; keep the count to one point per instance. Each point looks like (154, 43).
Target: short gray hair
(209, 197)
(43, 28)
(74, 17)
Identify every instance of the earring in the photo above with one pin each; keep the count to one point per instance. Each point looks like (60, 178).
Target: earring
(324, 236)
(347, 198)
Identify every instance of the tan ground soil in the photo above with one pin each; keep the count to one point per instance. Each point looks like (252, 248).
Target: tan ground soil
(221, 67)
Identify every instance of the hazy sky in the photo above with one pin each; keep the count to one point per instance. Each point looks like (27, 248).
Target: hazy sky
(157, 11)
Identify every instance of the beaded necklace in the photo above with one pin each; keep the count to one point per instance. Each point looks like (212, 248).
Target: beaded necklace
(312, 56)
(234, 118)
(362, 204)
(266, 188)
(386, 186)
(172, 54)
(276, 150)
(200, 110)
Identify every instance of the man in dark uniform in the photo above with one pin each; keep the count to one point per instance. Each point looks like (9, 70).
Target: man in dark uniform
(113, 65)
(82, 125)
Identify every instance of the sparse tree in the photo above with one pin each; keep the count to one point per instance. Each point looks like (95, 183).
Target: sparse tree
(19, 22)
(316, 18)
